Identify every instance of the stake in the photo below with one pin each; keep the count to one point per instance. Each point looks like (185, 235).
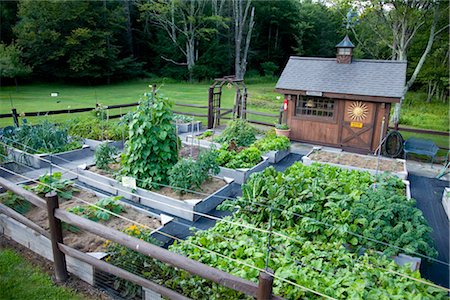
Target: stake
(265, 285)
(56, 237)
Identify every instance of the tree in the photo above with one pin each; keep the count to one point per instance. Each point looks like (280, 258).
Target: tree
(396, 24)
(11, 65)
(243, 19)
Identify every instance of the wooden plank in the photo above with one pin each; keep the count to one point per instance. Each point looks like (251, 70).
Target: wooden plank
(5, 116)
(425, 131)
(343, 96)
(20, 218)
(194, 267)
(108, 268)
(20, 191)
(260, 113)
(122, 105)
(190, 105)
(190, 114)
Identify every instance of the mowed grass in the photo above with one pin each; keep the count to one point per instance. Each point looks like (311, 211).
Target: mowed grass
(19, 280)
(262, 98)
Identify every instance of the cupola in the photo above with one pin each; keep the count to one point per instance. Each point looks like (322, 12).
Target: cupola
(344, 51)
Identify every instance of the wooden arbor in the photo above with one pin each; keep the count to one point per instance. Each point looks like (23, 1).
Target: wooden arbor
(215, 95)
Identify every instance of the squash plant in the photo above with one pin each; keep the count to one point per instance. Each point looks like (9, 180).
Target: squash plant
(152, 147)
(64, 188)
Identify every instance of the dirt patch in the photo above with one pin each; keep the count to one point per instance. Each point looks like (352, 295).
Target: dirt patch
(355, 160)
(77, 285)
(83, 240)
(210, 186)
(189, 151)
(113, 168)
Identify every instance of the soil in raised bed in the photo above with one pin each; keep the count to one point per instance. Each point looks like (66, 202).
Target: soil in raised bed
(208, 187)
(83, 240)
(188, 151)
(360, 161)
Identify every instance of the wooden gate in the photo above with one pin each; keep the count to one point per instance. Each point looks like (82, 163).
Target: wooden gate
(357, 125)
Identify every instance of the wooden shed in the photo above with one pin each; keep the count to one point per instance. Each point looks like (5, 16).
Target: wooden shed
(341, 102)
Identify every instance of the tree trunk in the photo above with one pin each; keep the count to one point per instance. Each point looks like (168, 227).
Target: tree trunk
(17, 85)
(129, 29)
(240, 16)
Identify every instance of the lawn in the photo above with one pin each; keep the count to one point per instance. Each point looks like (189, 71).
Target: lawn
(19, 280)
(36, 97)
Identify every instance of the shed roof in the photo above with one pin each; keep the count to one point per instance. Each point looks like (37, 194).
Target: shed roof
(380, 78)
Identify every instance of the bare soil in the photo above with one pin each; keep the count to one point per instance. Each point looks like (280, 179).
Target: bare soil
(83, 240)
(189, 151)
(355, 160)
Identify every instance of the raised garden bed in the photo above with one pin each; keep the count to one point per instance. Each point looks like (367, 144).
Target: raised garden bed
(446, 201)
(274, 157)
(165, 200)
(240, 176)
(93, 144)
(195, 126)
(38, 160)
(358, 162)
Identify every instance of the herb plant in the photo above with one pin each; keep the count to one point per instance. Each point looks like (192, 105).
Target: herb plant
(152, 148)
(95, 213)
(239, 131)
(104, 155)
(16, 202)
(42, 138)
(47, 183)
(188, 174)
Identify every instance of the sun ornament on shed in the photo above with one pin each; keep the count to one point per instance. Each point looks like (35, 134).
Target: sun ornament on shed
(358, 111)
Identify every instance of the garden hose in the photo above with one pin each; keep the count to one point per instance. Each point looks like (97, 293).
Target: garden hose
(393, 144)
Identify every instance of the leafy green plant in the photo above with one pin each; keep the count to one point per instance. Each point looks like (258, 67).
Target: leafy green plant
(272, 142)
(246, 158)
(47, 183)
(96, 213)
(188, 174)
(205, 134)
(104, 155)
(239, 131)
(100, 111)
(16, 202)
(282, 126)
(42, 138)
(152, 148)
(96, 129)
(182, 118)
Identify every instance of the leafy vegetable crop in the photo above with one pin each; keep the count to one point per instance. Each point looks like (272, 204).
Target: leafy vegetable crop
(152, 148)
(96, 129)
(245, 158)
(42, 138)
(16, 202)
(95, 213)
(47, 183)
(104, 155)
(272, 142)
(239, 131)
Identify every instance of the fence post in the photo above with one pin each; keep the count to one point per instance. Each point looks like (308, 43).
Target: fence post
(56, 237)
(15, 117)
(211, 108)
(265, 285)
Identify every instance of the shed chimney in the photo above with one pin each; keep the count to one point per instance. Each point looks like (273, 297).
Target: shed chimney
(344, 51)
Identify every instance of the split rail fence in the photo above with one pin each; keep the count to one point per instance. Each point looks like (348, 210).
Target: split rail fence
(262, 290)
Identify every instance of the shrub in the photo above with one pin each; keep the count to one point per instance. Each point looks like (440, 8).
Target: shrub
(104, 155)
(238, 131)
(42, 138)
(152, 148)
(269, 68)
(188, 174)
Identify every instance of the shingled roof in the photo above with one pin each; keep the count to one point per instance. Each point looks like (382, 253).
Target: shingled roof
(382, 78)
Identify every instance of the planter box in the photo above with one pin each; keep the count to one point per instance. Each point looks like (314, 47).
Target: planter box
(308, 161)
(93, 144)
(195, 126)
(189, 140)
(180, 208)
(241, 175)
(276, 156)
(38, 160)
(446, 201)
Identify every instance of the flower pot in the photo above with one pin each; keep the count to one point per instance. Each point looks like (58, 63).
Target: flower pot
(283, 132)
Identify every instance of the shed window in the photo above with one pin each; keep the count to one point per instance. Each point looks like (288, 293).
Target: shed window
(315, 106)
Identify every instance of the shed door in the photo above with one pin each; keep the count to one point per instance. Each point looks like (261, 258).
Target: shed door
(358, 124)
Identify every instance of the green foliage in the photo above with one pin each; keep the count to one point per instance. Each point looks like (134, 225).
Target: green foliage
(205, 134)
(42, 138)
(269, 68)
(104, 155)
(47, 183)
(152, 148)
(246, 158)
(239, 131)
(182, 118)
(100, 112)
(16, 202)
(282, 126)
(272, 142)
(11, 65)
(189, 174)
(97, 211)
(96, 129)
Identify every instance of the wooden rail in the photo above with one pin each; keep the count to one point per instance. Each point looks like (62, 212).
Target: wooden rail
(57, 215)
(425, 131)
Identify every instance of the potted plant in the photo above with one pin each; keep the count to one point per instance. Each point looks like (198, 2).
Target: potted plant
(282, 130)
